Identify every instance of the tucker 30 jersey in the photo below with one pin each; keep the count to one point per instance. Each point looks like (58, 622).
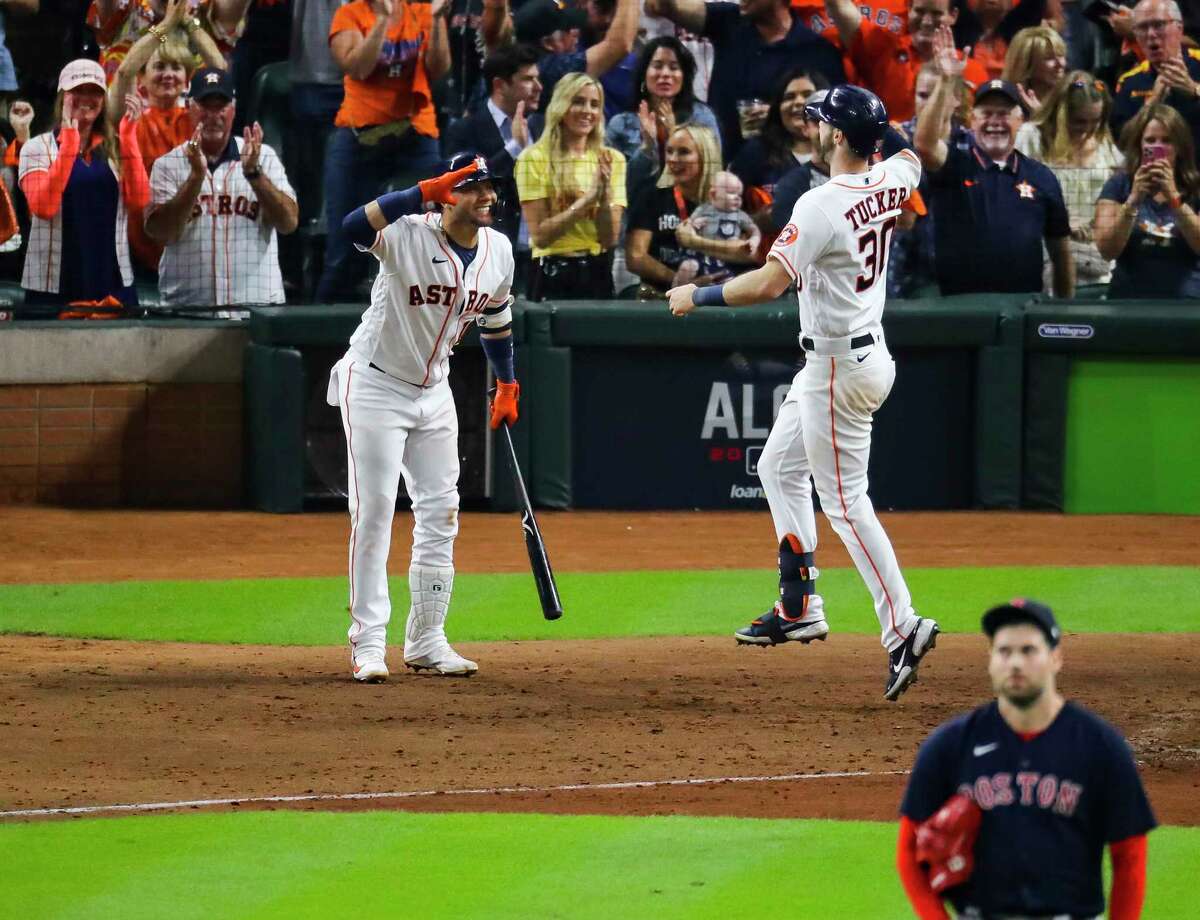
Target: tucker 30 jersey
(424, 299)
(1050, 803)
(835, 246)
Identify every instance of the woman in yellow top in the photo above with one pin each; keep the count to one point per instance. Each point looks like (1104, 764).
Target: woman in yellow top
(572, 192)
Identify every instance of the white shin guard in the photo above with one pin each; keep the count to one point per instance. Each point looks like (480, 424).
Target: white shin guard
(430, 588)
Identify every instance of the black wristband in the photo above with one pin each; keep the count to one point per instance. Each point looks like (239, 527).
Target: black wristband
(251, 174)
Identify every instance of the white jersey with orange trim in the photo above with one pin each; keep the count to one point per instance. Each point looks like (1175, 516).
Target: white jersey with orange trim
(836, 244)
(835, 247)
(423, 300)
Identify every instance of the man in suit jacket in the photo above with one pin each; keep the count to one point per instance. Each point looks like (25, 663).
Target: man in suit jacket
(500, 130)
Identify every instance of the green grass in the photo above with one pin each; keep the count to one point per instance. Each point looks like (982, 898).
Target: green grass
(312, 611)
(495, 866)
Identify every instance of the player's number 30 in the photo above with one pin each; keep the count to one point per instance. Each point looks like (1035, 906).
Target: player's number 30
(875, 245)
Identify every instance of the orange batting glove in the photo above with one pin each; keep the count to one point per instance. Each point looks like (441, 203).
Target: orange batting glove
(504, 405)
(440, 188)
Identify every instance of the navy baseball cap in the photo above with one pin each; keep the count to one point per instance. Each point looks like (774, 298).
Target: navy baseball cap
(466, 158)
(1023, 610)
(209, 81)
(999, 88)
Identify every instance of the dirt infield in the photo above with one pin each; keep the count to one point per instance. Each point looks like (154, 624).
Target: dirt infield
(92, 723)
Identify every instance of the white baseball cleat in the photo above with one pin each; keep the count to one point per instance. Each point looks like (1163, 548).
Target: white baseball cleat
(370, 668)
(442, 659)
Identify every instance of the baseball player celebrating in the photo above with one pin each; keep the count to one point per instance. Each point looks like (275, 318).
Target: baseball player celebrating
(1009, 806)
(835, 249)
(438, 274)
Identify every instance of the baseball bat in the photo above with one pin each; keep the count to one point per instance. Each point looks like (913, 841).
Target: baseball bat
(543, 575)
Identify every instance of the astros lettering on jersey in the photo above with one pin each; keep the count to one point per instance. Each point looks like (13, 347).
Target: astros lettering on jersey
(227, 253)
(423, 301)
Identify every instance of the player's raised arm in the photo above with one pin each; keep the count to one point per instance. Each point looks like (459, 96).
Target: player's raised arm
(764, 283)
(362, 224)
(691, 14)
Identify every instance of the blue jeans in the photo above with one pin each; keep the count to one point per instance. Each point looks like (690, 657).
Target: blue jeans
(354, 175)
(314, 106)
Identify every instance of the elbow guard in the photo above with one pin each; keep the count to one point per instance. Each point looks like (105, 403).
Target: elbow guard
(496, 318)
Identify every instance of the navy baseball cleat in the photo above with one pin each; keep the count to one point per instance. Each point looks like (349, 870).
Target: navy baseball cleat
(773, 627)
(903, 661)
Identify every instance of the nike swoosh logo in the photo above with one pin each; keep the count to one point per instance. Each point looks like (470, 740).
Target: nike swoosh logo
(900, 664)
(861, 358)
(437, 261)
(980, 749)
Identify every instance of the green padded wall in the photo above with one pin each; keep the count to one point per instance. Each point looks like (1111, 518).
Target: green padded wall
(275, 427)
(1131, 438)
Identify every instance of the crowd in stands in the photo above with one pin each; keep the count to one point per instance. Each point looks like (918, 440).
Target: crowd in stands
(637, 144)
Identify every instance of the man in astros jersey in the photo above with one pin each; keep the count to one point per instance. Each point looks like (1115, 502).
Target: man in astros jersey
(440, 272)
(835, 249)
(217, 203)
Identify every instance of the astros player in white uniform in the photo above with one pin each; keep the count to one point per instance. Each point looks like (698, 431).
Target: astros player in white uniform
(835, 249)
(439, 273)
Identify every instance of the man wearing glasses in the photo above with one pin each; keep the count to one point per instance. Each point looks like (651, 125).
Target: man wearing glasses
(1169, 74)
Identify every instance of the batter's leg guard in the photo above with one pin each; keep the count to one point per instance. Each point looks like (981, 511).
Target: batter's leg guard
(430, 588)
(796, 576)
(425, 645)
(792, 618)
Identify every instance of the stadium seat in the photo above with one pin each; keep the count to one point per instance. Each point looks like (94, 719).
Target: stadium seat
(270, 105)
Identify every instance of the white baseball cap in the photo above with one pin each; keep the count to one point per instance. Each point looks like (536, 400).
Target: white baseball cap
(81, 72)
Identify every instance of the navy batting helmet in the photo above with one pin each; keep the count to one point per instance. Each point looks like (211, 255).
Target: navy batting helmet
(466, 158)
(856, 112)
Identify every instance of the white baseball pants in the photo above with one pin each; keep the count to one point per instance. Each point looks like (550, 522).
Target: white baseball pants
(824, 430)
(394, 429)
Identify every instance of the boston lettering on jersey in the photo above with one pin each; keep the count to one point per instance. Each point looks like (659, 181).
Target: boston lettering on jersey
(444, 295)
(874, 206)
(1030, 790)
(226, 206)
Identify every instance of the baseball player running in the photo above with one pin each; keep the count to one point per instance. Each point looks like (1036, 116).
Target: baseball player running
(438, 274)
(835, 249)
(1009, 806)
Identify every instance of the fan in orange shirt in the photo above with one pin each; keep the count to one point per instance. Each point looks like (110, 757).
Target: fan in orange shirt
(391, 52)
(889, 14)
(888, 62)
(157, 70)
(988, 26)
(394, 82)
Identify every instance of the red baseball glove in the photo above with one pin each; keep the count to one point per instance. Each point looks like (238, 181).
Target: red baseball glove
(946, 842)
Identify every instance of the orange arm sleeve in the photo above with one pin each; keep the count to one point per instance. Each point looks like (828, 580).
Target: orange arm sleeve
(12, 154)
(135, 185)
(925, 903)
(1129, 878)
(44, 189)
